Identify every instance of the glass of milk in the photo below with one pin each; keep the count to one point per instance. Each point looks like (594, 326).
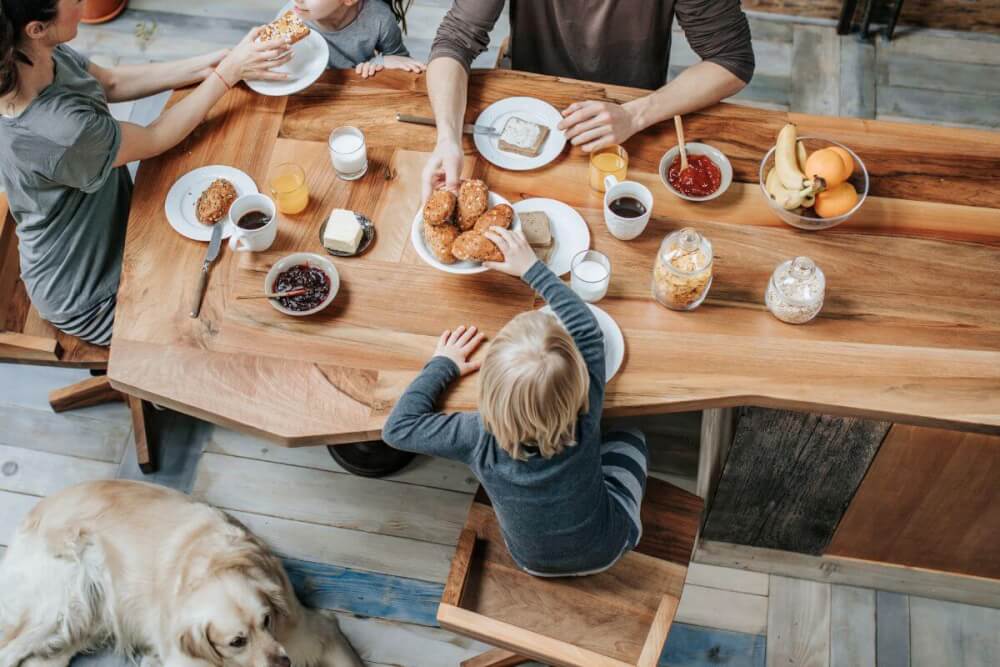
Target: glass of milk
(348, 153)
(590, 274)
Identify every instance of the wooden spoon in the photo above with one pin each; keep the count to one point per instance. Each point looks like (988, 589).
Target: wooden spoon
(298, 291)
(679, 126)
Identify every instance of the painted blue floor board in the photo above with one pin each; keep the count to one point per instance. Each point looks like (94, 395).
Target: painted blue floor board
(365, 593)
(695, 646)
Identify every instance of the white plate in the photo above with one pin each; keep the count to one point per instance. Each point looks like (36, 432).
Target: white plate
(464, 268)
(614, 341)
(183, 199)
(309, 60)
(570, 233)
(527, 108)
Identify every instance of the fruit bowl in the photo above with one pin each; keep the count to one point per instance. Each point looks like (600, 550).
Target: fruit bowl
(807, 218)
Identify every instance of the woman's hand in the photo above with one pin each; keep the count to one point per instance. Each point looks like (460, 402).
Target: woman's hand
(459, 345)
(593, 125)
(517, 252)
(251, 59)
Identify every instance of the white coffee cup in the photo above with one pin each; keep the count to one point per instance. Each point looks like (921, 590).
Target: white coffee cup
(622, 228)
(253, 240)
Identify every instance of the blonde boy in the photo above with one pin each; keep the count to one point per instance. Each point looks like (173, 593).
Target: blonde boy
(567, 503)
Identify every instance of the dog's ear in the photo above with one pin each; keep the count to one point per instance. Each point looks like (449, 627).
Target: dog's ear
(195, 643)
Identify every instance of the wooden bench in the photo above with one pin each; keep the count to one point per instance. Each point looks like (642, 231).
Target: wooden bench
(26, 338)
(619, 618)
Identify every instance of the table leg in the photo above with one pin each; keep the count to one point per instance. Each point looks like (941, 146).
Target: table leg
(370, 459)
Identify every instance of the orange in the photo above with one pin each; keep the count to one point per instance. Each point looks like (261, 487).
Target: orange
(828, 165)
(846, 157)
(836, 201)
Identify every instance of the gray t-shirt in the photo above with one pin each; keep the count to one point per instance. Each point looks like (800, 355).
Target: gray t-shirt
(69, 203)
(374, 29)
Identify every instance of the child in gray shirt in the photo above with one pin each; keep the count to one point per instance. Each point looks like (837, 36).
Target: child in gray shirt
(566, 498)
(361, 34)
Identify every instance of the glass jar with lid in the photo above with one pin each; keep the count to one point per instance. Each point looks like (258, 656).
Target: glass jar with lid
(682, 274)
(796, 290)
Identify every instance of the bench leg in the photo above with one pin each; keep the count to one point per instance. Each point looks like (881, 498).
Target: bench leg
(92, 391)
(496, 657)
(145, 445)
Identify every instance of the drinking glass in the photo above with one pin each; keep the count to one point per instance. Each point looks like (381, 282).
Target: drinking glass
(608, 161)
(289, 188)
(348, 153)
(590, 274)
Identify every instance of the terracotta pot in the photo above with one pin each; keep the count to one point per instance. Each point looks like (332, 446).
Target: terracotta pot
(100, 11)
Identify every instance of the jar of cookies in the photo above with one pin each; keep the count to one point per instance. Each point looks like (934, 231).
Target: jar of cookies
(682, 274)
(796, 290)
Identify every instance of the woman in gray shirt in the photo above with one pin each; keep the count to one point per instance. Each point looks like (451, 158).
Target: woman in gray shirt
(63, 156)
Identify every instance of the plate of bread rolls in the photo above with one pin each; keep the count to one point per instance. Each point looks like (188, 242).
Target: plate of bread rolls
(448, 232)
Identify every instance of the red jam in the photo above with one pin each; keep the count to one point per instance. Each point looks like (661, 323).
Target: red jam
(700, 179)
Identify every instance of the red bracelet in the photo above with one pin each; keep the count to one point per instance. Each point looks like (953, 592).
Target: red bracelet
(222, 79)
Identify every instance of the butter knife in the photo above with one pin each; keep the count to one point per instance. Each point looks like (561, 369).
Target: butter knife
(468, 128)
(213, 252)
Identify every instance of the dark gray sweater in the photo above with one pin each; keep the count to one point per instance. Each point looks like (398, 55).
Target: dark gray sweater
(555, 514)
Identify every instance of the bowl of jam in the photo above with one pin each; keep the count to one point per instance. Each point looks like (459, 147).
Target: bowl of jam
(313, 279)
(708, 175)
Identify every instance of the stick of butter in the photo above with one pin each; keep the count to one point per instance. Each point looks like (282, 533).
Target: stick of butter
(343, 231)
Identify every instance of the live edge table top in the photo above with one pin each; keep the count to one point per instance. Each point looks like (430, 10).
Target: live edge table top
(910, 330)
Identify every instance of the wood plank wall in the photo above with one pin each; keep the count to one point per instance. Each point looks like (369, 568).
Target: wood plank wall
(978, 16)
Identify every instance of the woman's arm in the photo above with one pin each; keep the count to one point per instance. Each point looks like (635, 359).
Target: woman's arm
(249, 59)
(130, 82)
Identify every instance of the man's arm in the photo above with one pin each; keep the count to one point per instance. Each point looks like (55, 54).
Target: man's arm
(464, 33)
(719, 33)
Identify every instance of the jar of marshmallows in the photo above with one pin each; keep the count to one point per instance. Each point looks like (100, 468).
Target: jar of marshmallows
(682, 274)
(796, 290)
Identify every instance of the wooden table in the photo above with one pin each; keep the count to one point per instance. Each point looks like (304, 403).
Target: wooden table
(910, 330)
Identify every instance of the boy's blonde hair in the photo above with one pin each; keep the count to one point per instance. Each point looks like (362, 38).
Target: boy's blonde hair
(533, 386)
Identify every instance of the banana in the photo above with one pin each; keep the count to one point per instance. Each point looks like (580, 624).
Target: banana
(788, 199)
(801, 155)
(809, 201)
(786, 162)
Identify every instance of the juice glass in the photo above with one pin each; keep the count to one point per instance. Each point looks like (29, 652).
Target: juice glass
(289, 189)
(608, 161)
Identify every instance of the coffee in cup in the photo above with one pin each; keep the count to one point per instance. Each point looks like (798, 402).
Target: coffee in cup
(627, 207)
(255, 218)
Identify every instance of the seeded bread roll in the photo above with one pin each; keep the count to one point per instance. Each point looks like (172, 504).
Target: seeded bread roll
(287, 27)
(498, 216)
(473, 200)
(473, 246)
(439, 239)
(440, 207)
(213, 204)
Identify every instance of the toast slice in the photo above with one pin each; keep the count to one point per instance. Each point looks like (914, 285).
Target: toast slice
(288, 27)
(523, 137)
(537, 228)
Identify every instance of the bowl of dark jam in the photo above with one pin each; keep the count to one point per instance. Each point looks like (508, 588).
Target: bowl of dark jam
(708, 175)
(313, 278)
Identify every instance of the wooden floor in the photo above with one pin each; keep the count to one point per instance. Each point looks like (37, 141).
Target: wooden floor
(377, 551)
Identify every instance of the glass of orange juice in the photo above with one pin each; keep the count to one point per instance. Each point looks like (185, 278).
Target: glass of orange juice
(608, 161)
(289, 189)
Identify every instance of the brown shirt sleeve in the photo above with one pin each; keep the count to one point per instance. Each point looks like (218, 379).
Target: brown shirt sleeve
(464, 32)
(718, 31)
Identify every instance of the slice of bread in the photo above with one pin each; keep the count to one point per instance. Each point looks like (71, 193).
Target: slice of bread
(537, 228)
(288, 27)
(543, 253)
(523, 137)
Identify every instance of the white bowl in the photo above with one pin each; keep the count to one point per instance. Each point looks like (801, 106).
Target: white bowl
(695, 148)
(312, 260)
(464, 267)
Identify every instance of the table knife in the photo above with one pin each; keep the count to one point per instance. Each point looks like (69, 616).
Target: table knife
(467, 128)
(213, 252)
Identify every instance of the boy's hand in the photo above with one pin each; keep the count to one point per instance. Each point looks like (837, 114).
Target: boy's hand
(458, 345)
(517, 253)
(404, 63)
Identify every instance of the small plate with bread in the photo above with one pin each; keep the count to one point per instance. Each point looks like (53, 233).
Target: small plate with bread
(555, 231)
(200, 199)
(448, 232)
(310, 55)
(526, 137)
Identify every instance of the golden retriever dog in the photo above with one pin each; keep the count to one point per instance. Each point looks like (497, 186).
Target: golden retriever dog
(150, 572)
